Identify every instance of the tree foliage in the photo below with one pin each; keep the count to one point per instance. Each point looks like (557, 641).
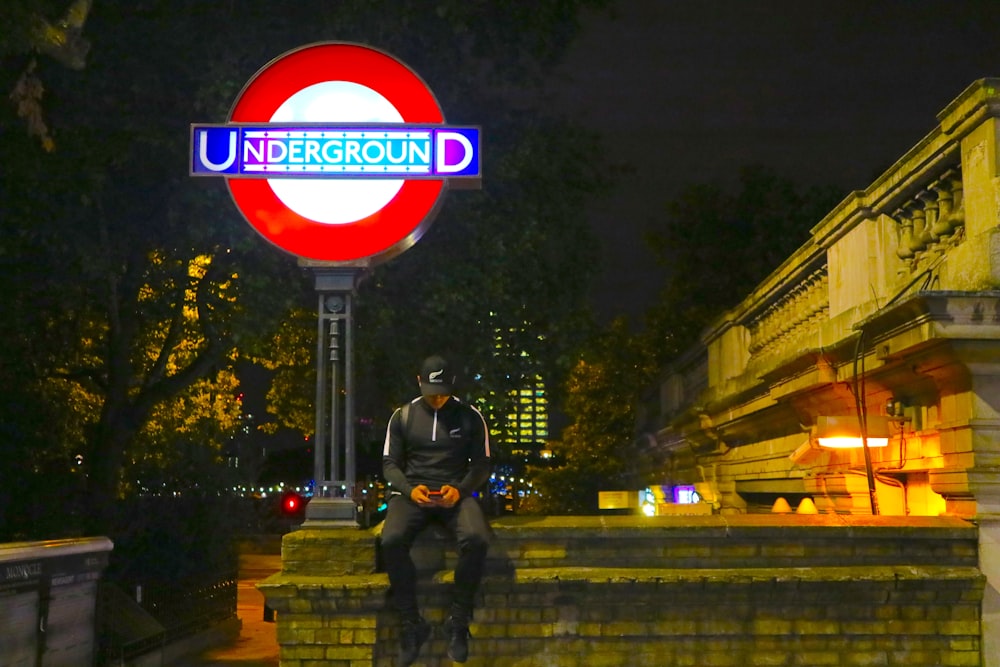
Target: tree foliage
(718, 245)
(134, 291)
(33, 27)
(595, 452)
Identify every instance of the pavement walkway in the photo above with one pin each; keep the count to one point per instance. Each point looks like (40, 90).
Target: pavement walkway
(257, 644)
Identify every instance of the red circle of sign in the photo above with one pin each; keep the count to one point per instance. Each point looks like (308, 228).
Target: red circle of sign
(390, 230)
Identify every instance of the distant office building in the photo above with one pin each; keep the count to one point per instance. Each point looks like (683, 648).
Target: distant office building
(528, 419)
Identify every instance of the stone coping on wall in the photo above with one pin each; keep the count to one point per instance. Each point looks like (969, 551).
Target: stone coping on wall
(378, 583)
(727, 542)
(700, 541)
(736, 525)
(12, 551)
(757, 526)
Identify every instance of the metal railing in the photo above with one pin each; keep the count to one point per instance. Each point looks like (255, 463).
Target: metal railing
(150, 616)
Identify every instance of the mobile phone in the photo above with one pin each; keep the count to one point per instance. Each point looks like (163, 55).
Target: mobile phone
(434, 494)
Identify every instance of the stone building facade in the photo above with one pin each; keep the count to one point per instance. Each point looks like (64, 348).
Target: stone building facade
(891, 309)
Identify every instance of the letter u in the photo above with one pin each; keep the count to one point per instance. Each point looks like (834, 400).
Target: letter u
(203, 152)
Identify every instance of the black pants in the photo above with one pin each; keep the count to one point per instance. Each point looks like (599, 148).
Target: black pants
(405, 520)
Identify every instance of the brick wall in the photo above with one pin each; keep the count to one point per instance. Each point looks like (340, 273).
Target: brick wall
(630, 591)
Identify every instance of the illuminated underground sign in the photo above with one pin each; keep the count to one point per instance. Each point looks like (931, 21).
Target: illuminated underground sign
(289, 151)
(337, 152)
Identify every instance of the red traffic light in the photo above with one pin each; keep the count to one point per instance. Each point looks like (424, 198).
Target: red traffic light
(291, 503)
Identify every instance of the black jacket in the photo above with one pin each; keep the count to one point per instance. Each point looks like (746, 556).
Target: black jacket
(436, 447)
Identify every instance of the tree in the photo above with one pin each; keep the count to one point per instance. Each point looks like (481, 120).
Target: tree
(718, 245)
(594, 452)
(31, 28)
(52, 27)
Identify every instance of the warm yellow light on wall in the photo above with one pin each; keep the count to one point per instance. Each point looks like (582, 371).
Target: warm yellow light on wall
(845, 432)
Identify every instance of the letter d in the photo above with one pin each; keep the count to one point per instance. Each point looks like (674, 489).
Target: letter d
(442, 138)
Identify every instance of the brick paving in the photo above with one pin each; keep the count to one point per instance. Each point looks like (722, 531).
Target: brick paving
(256, 645)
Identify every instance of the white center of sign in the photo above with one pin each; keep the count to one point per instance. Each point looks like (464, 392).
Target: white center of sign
(330, 102)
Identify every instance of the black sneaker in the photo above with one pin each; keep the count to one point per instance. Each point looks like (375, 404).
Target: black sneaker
(457, 632)
(412, 636)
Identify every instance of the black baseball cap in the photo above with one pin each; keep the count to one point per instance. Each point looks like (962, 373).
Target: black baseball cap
(436, 377)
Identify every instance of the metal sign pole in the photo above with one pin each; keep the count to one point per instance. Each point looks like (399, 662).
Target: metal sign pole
(334, 460)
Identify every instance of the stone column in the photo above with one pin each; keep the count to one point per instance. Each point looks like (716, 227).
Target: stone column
(328, 597)
(974, 491)
(989, 564)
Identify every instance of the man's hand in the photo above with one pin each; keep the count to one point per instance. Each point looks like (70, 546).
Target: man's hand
(449, 496)
(421, 495)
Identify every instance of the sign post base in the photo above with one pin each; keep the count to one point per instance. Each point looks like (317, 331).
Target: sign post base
(331, 512)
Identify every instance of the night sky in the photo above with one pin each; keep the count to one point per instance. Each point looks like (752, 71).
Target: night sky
(825, 92)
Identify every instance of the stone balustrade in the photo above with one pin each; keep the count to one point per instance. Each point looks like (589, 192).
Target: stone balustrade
(931, 221)
(798, 312)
